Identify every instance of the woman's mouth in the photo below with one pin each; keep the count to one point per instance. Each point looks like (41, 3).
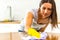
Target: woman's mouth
(43, 16)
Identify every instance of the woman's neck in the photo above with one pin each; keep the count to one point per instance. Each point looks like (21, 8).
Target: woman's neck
(43, 21)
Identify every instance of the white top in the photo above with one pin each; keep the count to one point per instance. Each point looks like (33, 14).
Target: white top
(34, 23)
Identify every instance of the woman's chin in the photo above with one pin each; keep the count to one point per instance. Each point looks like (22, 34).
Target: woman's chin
(44, 17)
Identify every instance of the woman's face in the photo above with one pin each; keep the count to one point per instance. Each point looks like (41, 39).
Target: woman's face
(45, 10)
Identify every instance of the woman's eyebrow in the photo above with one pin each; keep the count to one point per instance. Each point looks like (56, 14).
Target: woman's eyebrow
(49, 8)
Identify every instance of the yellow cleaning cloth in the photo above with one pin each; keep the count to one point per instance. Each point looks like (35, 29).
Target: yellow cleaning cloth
(34, 33)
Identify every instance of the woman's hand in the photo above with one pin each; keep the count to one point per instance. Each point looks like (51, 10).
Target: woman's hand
(34, 33)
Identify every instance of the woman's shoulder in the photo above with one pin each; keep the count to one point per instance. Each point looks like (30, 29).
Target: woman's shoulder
(32, 10)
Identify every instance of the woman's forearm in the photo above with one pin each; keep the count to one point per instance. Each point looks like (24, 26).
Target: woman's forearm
(29, 19)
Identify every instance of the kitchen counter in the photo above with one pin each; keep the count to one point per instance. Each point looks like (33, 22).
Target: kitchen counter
(9, 22)
(16, 36)
(9, 26)
(9, 31)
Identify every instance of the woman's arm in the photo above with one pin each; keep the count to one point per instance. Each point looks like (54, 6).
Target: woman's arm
(28, 29)
(29, 19)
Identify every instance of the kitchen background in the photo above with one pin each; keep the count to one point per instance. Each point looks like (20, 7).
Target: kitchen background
(16, 9)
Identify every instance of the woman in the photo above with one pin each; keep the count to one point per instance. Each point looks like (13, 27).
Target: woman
(41, 17)
(45, 14)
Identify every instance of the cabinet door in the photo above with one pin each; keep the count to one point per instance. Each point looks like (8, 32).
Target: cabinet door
(15, 36)
(4, 36)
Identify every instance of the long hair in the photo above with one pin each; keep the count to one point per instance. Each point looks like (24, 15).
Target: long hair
(53, 15)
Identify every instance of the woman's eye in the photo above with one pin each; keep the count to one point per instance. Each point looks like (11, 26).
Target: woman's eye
(49, 9)
(44, 8)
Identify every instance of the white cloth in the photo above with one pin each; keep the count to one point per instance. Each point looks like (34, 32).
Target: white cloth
(43, 36)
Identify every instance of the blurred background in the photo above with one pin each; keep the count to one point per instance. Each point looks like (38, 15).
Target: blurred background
(16, 9)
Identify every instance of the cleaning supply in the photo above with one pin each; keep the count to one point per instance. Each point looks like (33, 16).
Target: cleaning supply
(43, 36)
(32, 36)
(33, 32)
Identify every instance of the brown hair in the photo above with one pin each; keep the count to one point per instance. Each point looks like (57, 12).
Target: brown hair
(53, 15)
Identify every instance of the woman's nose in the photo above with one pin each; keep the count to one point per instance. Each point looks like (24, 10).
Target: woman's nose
(46, 11)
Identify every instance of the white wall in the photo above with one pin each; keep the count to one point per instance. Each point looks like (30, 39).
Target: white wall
(58, 9)
(3, 9)
(19, 8)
